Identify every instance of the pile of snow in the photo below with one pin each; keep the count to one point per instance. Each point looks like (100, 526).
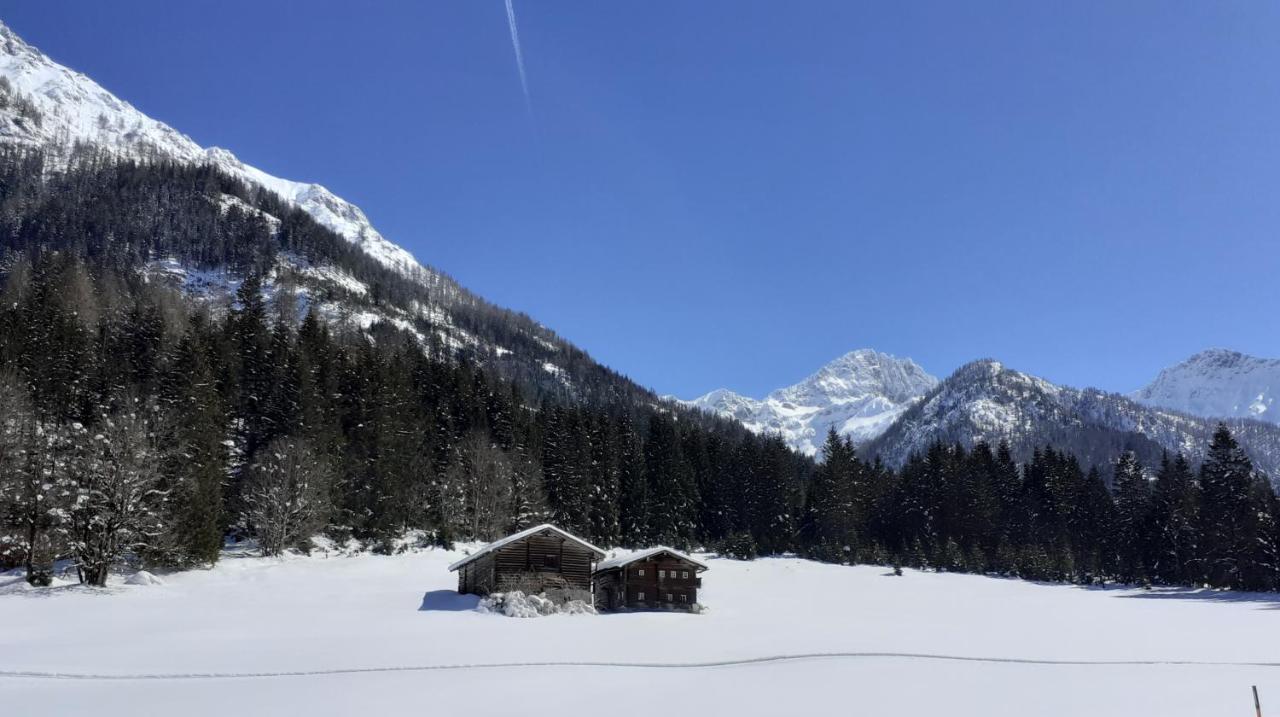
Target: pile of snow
(518, 604)
(142, 577)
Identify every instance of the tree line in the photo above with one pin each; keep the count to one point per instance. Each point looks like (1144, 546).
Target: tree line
(977, 510)
(133, 427)
(136, 427)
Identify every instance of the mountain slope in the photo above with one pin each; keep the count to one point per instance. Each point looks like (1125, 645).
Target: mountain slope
(858, 394)
(66, 116)
(1217, 383)
(70, 107)
(985, 401)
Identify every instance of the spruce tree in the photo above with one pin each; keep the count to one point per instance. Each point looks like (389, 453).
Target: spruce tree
(1226, 483)
(829, 523)
(195, 459)
(1175, 513)
(1132, 518)
(633, 508)
(671, 508)
(1091, 529)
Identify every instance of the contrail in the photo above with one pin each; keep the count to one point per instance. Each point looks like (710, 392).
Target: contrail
(515, 45)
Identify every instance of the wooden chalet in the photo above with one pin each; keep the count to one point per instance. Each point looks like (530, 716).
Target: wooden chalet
(654, 579)
(542, 559)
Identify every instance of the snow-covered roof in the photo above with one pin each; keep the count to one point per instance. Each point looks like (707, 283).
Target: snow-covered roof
(628, 558)
(495, 545)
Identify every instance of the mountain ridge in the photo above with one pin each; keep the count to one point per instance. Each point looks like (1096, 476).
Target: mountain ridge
(984, 401)
(859, 394)
(75, 108)
(1217, 382)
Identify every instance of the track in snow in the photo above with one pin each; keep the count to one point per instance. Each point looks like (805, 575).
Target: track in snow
(32, 674)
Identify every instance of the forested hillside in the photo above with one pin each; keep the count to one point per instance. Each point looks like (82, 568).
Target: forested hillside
(262, 414)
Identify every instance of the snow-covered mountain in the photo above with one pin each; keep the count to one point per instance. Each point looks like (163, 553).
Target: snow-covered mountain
(71, 108)
(1218, 383)
(859, 394)
(60, 112)
(986, 401)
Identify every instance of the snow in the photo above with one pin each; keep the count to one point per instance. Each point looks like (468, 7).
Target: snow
(227, 201)
(859, 394)
(987, 401)
(366, 319)
(389, 636)
(142, 577)
(517, 604)
(213, 285)
(515, 537)
(626, 558)
(332, 275)
(74, 108)
(556, 371)
(1217, 383)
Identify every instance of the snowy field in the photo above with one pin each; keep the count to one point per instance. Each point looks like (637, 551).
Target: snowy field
(387, 636)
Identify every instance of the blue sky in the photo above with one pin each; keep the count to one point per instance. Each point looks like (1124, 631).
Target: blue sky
(733, 192)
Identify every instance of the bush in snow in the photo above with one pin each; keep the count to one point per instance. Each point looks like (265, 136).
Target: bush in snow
(118, 500)
(286, 497)
(739, 546)
(517, 604)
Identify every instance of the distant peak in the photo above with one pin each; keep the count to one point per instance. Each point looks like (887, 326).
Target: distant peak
(982, 366)
(867, 355)
(1217, 383)
(717, 395)
(1220, 356)
(862, 353)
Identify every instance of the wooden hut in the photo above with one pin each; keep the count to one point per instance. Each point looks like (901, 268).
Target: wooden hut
(542, 559)
(654, 579)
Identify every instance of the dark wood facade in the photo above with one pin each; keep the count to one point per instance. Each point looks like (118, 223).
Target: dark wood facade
(539, 560)
(658, 579)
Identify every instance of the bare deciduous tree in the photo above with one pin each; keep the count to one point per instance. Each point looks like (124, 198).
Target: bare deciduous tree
(286, 497)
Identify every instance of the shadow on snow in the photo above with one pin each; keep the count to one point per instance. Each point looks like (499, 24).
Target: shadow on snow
(448, 601)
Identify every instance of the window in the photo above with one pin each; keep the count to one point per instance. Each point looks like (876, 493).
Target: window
(668, 597)
(640, 572)
(551, 562)
(640, 596)
(684, 573)
(684, 598)
(662, 573)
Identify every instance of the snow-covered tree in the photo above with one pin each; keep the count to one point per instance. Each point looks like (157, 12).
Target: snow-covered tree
(527, 506)
(196, 457)
(1132, 517)
(16, 424)
(286, 494)
(1226, 517)
(37, 465)
(117, 504)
